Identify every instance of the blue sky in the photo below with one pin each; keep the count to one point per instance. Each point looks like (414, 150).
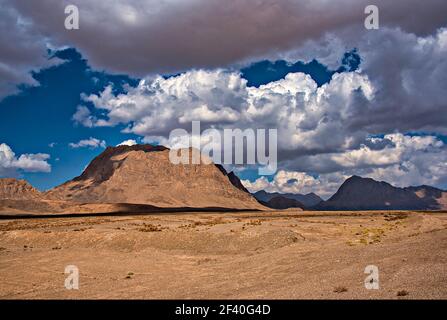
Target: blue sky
(263, 72)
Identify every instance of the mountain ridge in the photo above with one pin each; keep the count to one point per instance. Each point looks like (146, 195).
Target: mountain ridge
(15, 189)
(307, 200)
(358, 193)
(281, 203)
(143, 174)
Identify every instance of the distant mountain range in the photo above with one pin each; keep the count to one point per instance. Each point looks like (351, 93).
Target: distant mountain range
(143, 174)
(280, 202)
(358, 193)
(281, 199)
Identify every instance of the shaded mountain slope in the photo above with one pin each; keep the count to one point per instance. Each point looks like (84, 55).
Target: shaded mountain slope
(358, 193)
(308, 200)
(280, 202)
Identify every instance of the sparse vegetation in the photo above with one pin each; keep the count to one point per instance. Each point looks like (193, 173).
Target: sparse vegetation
(340, 289)
(370, 235)
(394, 217)
(210, 223)
(148, 227)
(363, 241)
(253, 223)
(402, 293)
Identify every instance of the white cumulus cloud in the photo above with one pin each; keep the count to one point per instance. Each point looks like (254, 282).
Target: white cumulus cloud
(298, 182)
(305, 115)
(88, 143)
(130, 142)
(10, 164)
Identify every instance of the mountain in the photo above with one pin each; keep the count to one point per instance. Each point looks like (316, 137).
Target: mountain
(235, 181)
(435, 198)
(233, 178)
(358, 193)
(280, 202)
(13, 189)
(143, 174)
(308, 200)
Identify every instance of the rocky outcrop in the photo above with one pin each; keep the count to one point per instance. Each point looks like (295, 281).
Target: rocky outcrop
(13, 189)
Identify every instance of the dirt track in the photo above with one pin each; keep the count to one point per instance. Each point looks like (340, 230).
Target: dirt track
(278, 254)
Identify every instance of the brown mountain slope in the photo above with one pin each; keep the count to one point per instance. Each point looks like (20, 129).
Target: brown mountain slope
(13, 189)
(143, 174)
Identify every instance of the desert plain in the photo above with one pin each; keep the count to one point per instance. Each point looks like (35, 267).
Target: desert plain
(287, 254)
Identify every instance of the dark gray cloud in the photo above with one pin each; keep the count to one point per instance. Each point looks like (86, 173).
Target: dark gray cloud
(22, 49)
(410, 76)
(139, 37)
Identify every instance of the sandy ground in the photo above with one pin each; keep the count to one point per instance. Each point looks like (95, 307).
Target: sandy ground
(277, 254)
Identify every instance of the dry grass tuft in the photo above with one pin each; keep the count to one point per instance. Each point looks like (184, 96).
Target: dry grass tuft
(148, 227)
(340, 289)
(402, 293)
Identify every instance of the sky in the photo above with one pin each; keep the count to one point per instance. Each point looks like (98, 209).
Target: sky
(345, 99)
